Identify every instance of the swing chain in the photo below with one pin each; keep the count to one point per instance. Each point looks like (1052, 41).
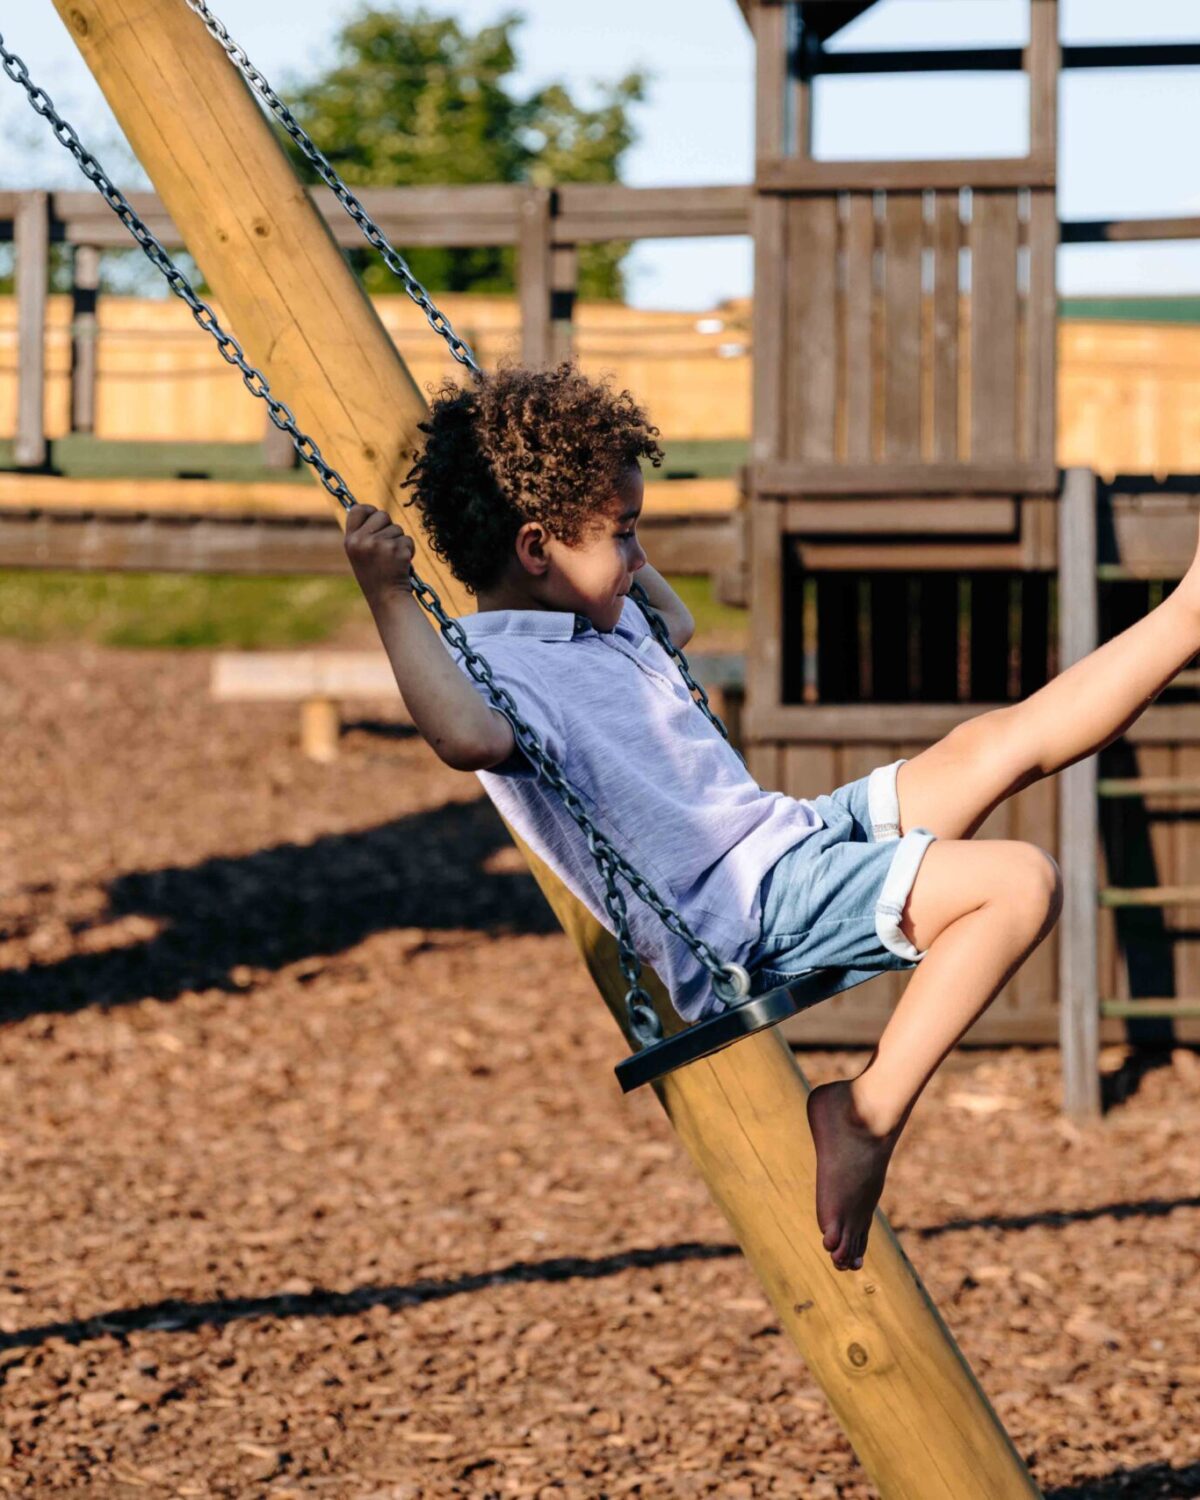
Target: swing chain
(396, 263)
(729, 980)
(375, 236)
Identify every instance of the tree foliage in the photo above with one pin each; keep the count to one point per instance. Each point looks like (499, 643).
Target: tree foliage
(413, 99)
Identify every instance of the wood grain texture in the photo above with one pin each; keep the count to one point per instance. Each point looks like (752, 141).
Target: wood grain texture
(994, 327)
(858, 330)
(903, 238)
(811, 323)
(31, 245)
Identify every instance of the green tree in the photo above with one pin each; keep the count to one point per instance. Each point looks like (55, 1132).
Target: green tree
(412, 99)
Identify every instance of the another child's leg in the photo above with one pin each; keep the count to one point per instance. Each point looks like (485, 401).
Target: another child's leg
(978, 910)
(951, 787)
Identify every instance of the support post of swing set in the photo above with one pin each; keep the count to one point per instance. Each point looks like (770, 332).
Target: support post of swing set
(906, 1397)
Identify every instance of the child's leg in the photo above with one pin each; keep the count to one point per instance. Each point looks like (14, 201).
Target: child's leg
(978, 910)
(951, 787)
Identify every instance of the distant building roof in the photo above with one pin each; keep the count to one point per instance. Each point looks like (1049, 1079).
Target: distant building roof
(1181, 309)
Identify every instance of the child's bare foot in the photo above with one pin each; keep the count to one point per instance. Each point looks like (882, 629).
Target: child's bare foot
(852, 1164)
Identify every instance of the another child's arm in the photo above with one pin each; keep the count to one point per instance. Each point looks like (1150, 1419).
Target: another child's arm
(676, 616)
(448, 712)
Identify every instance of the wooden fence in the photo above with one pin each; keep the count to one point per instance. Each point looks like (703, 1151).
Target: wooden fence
(1128, 394)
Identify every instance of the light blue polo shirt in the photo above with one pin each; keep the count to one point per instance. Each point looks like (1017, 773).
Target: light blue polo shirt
(658, 780)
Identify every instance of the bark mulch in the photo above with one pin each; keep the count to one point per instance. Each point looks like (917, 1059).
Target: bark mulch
(317, 1180)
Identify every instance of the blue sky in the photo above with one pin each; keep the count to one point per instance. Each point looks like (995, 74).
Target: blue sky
(1128, 140)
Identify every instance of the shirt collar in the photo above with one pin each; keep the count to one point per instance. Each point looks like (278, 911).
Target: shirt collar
(536, 624)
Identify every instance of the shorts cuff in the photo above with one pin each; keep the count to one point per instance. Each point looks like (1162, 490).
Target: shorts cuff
(883, 802)
(897, 884)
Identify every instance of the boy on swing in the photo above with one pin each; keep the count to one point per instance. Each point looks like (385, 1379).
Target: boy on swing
(530, 489)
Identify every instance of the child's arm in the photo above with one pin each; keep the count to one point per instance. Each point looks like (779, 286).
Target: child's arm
(446, 709)
(680, 625)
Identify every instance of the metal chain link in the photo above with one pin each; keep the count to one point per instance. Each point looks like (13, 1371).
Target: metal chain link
(374, 236)
(728, 979)
(396, 263)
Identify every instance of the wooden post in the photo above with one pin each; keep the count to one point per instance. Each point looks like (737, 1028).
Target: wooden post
(564, 289)
(534, 276)
(1078, 627)
(31, 240)
(85, 290)
(911, 1406)
(320, 729)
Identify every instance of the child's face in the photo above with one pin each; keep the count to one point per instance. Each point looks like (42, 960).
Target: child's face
(592, 576)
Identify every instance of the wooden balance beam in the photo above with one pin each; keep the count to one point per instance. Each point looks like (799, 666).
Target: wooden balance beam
(909, 1402)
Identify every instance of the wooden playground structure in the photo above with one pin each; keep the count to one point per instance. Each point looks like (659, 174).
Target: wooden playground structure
(903, 461)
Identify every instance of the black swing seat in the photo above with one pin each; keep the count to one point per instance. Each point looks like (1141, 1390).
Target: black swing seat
(703, 1038)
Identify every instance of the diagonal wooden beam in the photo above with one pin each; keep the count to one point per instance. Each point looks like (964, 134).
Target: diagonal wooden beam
(907, 1399)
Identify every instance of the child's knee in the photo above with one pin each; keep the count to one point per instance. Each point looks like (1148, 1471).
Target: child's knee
(1031, 879)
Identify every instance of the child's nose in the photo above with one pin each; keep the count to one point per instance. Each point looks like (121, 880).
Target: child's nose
(639, 558)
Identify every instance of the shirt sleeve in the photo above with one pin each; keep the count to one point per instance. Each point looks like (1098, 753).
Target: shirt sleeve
(537, 707)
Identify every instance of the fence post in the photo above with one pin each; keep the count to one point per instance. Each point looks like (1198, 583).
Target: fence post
(85, 291)
(564, 289)
(1078, 634)
(534, 275)
(31, 241)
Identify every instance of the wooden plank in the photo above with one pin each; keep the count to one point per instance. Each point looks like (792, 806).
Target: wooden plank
(141, 543)
(903, 237)
(782, 478)
(770, 24)
(889, 556)
(770, 247)
(994, 327)
(564, 290)
(808, 770)
(467, 214)
(85, 291)
(1040, 384)
(960, 516)
(287, 676)
(534, 277)
(1036, 820)
(764, 761)
(31, 243)
(613, 211)
(1042, 61)
(789, 174)
(944, 383)
(858, 330)
(1078, 615)
(811, 329)
(852, 723)
(764, 663)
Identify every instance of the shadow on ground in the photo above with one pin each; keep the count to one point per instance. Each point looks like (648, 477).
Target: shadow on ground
(176, 1315)
(277, 906)
(1149, 1482)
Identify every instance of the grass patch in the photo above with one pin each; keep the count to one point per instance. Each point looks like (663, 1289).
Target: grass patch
(208, 611)
(143, 610)
(713, 619)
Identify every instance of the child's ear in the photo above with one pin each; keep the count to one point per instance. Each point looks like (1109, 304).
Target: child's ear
(531, 548)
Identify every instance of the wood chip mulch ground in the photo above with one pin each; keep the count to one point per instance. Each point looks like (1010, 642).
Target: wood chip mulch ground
(316, 1180)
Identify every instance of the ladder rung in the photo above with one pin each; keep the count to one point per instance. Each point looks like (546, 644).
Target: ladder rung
(1152, 1009)
(1150, 895)
(1148, 786)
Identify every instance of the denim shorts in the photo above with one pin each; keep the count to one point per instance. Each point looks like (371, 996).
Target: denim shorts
(835, 899)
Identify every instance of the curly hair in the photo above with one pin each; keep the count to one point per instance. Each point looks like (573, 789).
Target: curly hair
(522, 445)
